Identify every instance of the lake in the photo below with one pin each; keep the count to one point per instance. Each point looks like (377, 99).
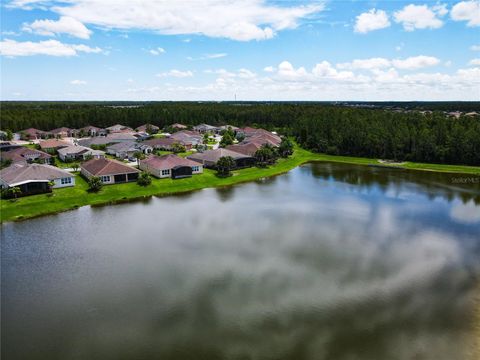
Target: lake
(329, 261)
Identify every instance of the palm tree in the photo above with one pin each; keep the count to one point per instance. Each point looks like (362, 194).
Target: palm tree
(139, 155)
(14, 191)
(95, 184)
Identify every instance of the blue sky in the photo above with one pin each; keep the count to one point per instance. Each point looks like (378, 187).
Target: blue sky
(254, 49)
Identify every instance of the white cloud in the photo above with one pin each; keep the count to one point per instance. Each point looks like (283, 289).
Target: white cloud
(78, 82)
(214, 56)
(415, 62)
(467, 213)
(475, 47)
(176, 73)
(467, 11)
(14, 48)
(65, 25)
(420, 17)
(246, 74)
(157, 51)
(372, 63)
(371, 20)
(237, 20)
(269, 69)
(474, 62)
(287, 71)
(208, 56)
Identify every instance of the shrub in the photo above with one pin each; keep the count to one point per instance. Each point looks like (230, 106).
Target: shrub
(224, 165)
(144, 179)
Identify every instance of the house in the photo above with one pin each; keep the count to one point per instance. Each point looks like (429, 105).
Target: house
(204, 128)
(209, 158)
(249, 148)
(26, 155)
(62, 132)
(179, 126)
(118, 129)
(109, 171)
(128, 149)
(228, 127)
(260, 136)
(141, 136)
(170, 165)
(32, 134)
(7, 146)
(52, 145)
(148, 128)
(108, 139)
(78, 152)
(165, 143)
(35, 178)
(92, 131)
(188, 137)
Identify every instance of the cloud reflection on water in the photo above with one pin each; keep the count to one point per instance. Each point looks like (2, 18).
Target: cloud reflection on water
(284, 270)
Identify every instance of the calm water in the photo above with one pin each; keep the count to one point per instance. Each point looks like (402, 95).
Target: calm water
(326, 262)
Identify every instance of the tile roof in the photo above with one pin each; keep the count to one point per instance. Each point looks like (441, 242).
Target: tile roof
(60, 129)
(214, 155)
(21, 173)
(22, 154)
(145, 126)
(99, 167)
(52, 143)
(161, 142)
(168, 161)
(73, 149)
(32, 132)
(245, 148)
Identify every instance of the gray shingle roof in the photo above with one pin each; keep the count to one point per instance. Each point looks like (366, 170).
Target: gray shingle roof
(20, 173)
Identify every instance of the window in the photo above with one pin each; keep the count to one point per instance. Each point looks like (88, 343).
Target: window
(195, 168)
(65, 181)
(106, 178)
(166, 172)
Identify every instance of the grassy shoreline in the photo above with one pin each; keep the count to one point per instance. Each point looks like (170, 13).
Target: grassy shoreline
(77, 196)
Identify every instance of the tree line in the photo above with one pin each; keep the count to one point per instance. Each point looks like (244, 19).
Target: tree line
(340, 129)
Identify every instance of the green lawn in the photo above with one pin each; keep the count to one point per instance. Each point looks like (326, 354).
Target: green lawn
(71, 198)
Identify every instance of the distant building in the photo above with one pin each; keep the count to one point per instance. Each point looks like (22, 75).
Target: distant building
(78, 152)
(23, 154)
(62, 132)
(179, 126)
(32, 134)
(165, 143)
(52, 145)
(187, 137)
(109, 139)
(118, 129)
(249, 148)
(152, 128)
(92, 131)
(204, 128)
(127, 150)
